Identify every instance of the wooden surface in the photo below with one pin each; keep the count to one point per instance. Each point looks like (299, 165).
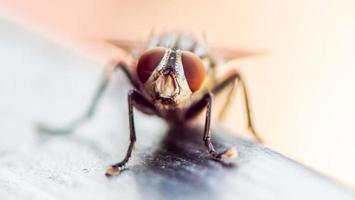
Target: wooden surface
(41, 81)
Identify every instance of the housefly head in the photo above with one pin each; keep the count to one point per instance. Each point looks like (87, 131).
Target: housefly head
(170, 76)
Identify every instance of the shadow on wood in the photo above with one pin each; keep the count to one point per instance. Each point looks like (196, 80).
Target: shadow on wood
(180, 168)
(182, 165)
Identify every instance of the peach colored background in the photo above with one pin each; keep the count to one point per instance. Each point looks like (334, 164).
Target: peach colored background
(302, 92)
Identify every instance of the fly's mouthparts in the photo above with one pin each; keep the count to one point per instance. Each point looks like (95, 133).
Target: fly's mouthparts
(165, 101)
(166, 86)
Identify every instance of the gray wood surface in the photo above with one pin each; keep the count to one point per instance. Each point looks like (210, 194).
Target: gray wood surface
(41, 81)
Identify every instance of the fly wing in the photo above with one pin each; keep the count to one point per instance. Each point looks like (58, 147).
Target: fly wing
(136, 47)
(231, 54)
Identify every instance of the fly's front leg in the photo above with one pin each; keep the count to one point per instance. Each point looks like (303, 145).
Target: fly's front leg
(195, 109)
(72, 126)
(134, 99)
(230, 80)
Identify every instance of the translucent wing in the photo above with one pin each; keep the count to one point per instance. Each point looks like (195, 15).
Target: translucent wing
(136, 47)
(128, 45)
(230, 54)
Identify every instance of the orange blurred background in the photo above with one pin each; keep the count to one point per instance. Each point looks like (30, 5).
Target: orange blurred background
(301, 92)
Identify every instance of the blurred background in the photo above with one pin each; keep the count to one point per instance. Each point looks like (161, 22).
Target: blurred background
(302, 90)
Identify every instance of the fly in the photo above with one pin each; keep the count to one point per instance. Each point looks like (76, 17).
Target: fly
(174, 78)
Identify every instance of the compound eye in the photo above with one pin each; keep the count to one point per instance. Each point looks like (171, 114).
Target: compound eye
(194, 70)
(148, 61)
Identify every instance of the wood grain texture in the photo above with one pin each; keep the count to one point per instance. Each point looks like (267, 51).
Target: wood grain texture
(41, 81)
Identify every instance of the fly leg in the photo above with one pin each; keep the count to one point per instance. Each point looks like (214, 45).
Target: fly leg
(138, 100)
(206, 102)
(72, 126)
(230, 80)
(228, 101)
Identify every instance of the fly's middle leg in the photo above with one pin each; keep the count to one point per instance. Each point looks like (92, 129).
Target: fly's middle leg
(136, 99)
(231, 79)
(72, 126)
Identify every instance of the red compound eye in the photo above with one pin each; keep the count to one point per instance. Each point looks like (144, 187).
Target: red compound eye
(148, 61)
(194, 70)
